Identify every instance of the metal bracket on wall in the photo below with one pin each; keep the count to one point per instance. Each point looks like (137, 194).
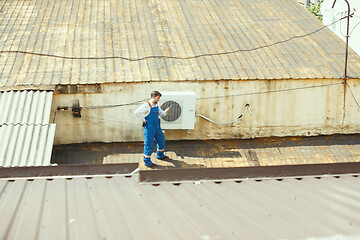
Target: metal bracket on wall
(76, 109)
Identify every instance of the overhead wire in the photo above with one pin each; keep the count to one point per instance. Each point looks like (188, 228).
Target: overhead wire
(354, 28)
(202, 98)
(352, 94)
(116, 105)
(199, 115)
(171, 57)
(183, 58)
(206, 118)
(100, 119)
(272, 91)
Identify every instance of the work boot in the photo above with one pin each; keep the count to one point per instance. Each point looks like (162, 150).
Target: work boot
(153, 165)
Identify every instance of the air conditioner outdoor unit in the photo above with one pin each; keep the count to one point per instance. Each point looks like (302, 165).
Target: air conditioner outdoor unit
(182, 111)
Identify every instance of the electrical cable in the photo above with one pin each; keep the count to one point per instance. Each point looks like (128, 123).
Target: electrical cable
(224, 123)
(357, 103)
(247, 106)
(341, 28)
(107, 106)
(354, 28)
(201, 98)
(115, 105)
(272, 91)
(172, 57)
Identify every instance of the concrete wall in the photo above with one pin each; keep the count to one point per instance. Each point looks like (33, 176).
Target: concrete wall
(279, 108)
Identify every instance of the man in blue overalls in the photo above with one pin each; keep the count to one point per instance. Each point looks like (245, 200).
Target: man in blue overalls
(149, 112)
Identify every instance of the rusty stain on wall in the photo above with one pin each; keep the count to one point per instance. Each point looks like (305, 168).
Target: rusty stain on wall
(280, 108)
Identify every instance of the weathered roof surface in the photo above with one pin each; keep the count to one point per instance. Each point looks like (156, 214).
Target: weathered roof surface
(119, 207)
(26, 135)
(220, 153)
(116, 41)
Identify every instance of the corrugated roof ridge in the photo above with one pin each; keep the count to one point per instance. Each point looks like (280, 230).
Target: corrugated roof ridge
(294, 48)
(214, 46)
(178, 43)
(60, 46)
(151, 31)
(236, 29)
(55, 38)
(259, 72)
(172, 68)
(194, 47)
(275, 55)
(312, 49)
(84, 48)
(21, 57)
(141, 43)
(224, 42)
(212, 71)
(37, 43)
(119, 65)
(7, 42)
(44, 30)
(108, 36)
(167, 70)
(198, 71)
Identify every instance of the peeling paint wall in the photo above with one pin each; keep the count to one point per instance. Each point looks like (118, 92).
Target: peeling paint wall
(279, 108)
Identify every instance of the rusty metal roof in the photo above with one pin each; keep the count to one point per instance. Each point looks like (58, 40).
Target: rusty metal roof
(45, 43)
(120, 208)
(25, 133)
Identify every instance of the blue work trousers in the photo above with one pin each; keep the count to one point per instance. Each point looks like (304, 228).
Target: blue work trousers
(152, 131)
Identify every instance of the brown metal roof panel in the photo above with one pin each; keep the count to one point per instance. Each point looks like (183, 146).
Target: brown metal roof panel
(82, 208)
(12, 195)
(122, 205)
(296, 195)
(111, 207)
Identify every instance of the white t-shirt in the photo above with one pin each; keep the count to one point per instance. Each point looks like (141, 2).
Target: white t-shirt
(144, 110)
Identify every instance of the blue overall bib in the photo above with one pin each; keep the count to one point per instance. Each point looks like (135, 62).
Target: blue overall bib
(152, 131)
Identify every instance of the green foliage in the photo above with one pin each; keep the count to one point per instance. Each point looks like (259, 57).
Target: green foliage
(314, 8)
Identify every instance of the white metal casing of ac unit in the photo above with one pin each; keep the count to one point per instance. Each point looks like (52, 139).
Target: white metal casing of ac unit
(182, 111)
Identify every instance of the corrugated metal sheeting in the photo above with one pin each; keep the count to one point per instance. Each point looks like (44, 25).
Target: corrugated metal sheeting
(25, 107)
(90, 41)
(29, 145)
(25, 133)
(120, 208)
